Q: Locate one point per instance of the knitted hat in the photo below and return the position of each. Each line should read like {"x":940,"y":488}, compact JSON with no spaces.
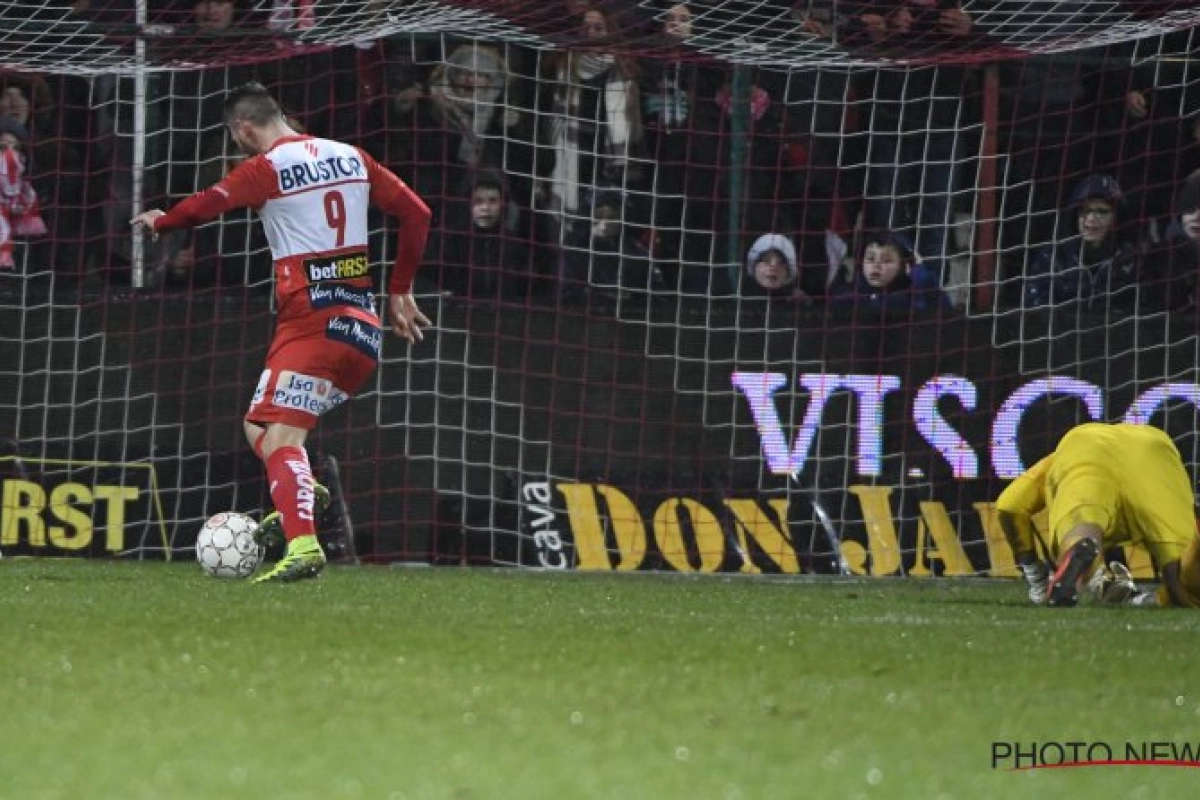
{"x":765,"y":244}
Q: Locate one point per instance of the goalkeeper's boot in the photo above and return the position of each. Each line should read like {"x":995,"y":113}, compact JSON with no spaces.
{"x":1075,"y":565}
{"x":304,"y":559}
{"x":269,"y":532}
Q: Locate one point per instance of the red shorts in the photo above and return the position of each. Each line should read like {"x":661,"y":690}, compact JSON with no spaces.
{"x":306,"y":376}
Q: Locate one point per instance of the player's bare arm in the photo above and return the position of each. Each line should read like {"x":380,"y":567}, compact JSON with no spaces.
{"x":406,"y":318}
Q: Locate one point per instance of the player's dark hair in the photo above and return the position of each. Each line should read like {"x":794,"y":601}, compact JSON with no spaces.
{"x":253,"y":103}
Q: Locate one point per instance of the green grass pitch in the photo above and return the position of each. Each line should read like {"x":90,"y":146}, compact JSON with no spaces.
{"x":127,"y":680}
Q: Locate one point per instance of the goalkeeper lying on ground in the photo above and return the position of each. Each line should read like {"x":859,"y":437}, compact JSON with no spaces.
{"x":1104,"y":486}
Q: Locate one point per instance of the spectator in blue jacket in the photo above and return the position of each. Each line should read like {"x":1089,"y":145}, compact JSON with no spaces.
{"x":890,"y":281}
{"x":1095,"y":265}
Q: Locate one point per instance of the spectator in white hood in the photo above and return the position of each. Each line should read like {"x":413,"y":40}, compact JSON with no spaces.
{"x":772,"y":269}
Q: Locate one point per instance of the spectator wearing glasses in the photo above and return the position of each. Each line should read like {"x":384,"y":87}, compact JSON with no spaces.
{"x":1096,"y":267}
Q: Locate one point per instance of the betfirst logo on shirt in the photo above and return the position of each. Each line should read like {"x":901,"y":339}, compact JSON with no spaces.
{"x":337,"y":268}
{"x":305,"y":393}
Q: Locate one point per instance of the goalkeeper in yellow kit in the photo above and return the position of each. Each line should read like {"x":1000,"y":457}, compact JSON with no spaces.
{"x":1103,"y":486}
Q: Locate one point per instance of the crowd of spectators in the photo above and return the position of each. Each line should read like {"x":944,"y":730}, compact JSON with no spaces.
{"x":598,"y":166}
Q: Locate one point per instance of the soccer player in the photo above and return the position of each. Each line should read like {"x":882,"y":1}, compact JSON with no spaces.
{"x":312,"y":195}
{"x":1103,"y":486}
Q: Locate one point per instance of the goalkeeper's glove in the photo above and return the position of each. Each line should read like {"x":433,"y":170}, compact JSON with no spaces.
{"x":1112,"y":585}
{"x":1037,"y":577}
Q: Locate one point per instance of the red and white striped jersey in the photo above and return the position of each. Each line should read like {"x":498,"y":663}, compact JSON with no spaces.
{"x":313,"y":195}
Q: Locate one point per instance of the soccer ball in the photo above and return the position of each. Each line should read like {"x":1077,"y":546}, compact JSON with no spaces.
{"x":226,"y":548}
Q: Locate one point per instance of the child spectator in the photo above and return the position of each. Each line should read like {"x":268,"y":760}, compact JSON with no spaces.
{"x":890,"y":281}
{"x":1096,"y":266}
{"x":19,"y":212}
{"x":772,"y":270}
{"x":481,"y":254}
{"x":47,"y":109}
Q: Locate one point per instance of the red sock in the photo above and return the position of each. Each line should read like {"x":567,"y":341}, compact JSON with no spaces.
{"x":291,"y":483}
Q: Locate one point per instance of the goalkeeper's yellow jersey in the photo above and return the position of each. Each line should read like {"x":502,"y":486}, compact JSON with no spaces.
{"x":1129,"y":480}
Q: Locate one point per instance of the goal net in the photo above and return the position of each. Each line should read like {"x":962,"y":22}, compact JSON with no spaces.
{"x":722,"y":285}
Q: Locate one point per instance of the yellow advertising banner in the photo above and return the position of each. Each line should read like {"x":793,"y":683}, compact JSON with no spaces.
{"x":58,"y":507}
